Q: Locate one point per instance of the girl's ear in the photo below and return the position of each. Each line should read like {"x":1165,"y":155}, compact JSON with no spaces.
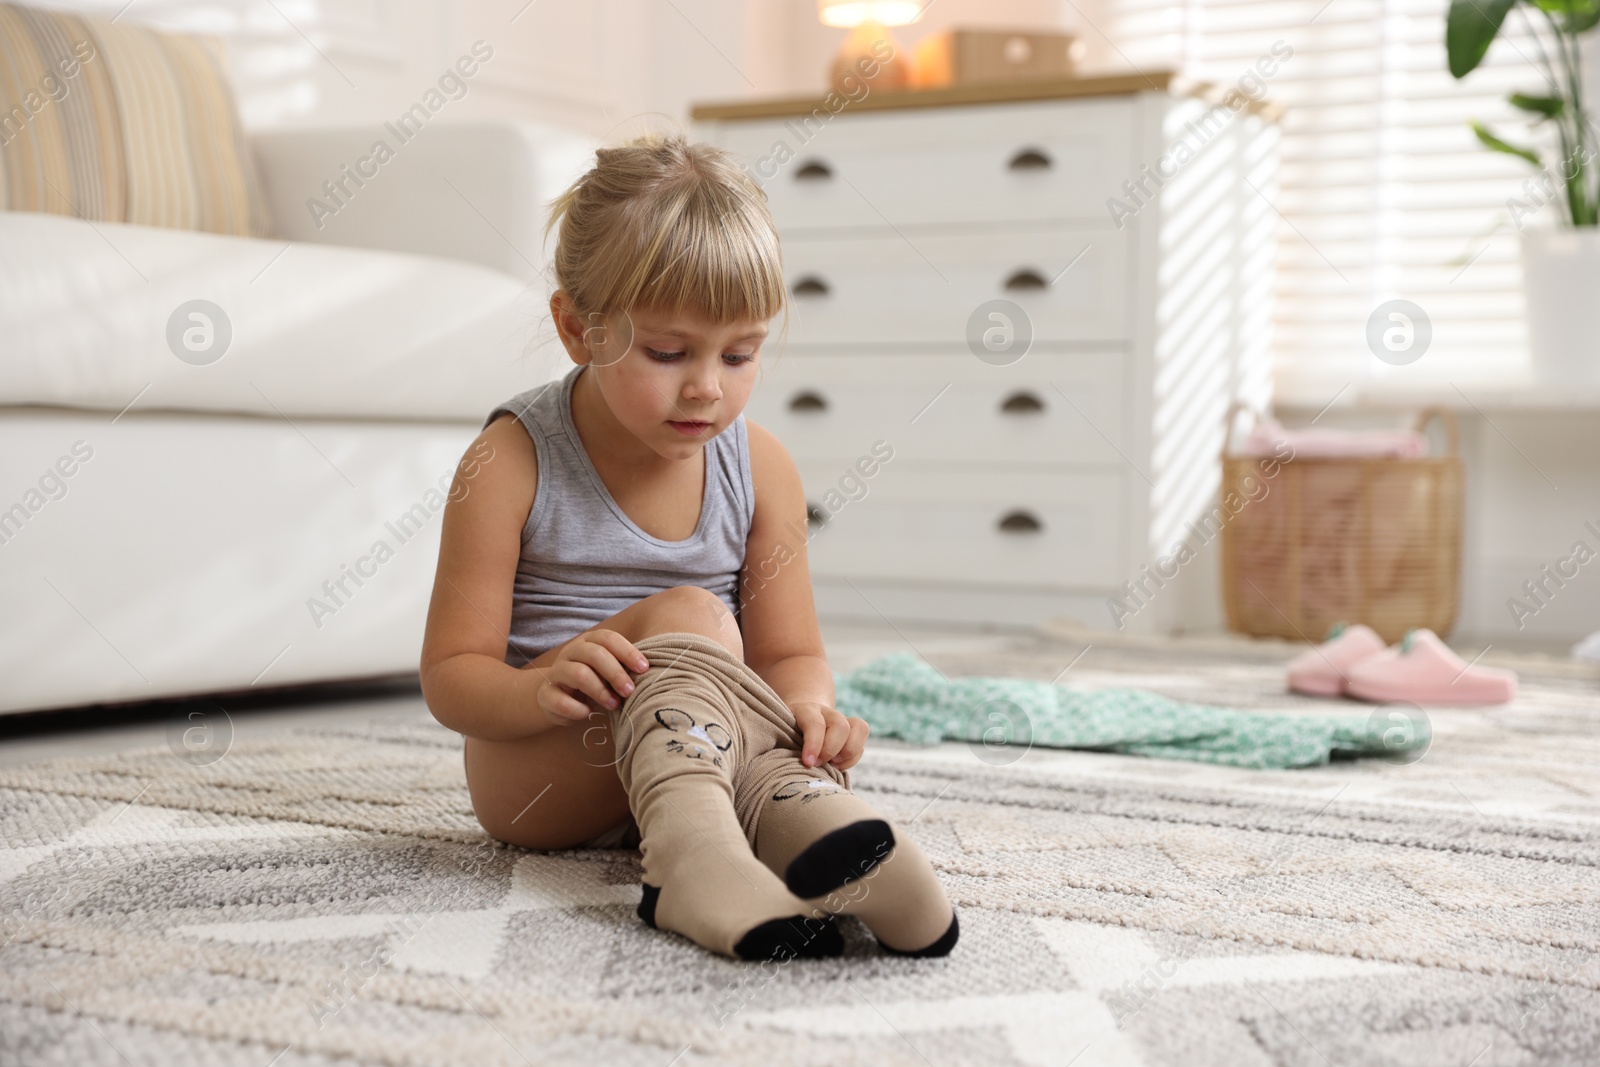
{"x":569,"y":325}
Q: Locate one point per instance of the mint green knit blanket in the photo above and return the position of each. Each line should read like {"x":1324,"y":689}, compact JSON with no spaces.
{"x":901,"y":696}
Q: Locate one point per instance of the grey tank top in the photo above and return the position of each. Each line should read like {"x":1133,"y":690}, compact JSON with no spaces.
{"x":583,"y":560}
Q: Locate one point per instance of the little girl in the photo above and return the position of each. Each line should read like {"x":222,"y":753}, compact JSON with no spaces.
{"x":587,"y":632}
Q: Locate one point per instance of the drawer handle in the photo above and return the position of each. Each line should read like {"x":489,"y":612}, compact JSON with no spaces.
{"x":815,"y":515}
{"x":1019,"y":522}
{"x":1022,"y":403}
{"x":808,"y":401}
{"x":811,"y":285}
{"x":1026,"y":278}
{"x":1030,"y":159}
{"x":813,"y":171}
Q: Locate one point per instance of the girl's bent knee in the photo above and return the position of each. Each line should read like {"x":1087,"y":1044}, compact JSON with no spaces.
{"x":695,"y":609}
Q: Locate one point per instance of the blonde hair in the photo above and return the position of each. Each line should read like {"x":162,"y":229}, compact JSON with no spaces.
{"x":664,"y":224}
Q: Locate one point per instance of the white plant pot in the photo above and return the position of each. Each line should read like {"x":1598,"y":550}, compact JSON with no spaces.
{"x":1561,"y":280}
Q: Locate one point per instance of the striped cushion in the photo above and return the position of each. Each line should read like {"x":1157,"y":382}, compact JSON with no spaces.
{"x":119,"y":123}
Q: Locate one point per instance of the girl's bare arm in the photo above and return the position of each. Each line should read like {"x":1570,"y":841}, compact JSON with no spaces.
{"x":465,"y":680}
{"x":778,"y":615}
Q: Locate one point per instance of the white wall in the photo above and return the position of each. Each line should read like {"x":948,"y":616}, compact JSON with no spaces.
{"x":594,"y":64}
{"x":589,"y":65}
{"x":1533,"y":485}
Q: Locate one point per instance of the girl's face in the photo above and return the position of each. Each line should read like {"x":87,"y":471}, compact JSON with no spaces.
{"x":674,"y":380}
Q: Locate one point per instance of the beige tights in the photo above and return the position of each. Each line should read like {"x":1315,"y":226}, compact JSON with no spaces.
{"x":747,"y":851}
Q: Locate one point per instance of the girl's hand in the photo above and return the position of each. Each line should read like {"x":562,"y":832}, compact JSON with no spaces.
{"x":593,"y":666}
{"x":829,"y":736}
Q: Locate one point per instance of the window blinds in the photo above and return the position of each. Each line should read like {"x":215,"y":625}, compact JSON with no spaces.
{"x":1384,"y":190}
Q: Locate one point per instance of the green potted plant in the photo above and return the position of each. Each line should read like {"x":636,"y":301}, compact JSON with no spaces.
{"x":1561,"y":249}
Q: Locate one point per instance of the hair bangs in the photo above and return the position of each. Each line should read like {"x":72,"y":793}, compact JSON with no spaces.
{"x":709,"y":254}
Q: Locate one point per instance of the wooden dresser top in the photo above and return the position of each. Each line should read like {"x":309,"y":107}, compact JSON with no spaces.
{"x":1162,"y":81}
{"x":883,"y":99}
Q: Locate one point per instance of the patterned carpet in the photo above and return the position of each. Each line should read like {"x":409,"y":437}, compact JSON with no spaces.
{"x":327,"y":898}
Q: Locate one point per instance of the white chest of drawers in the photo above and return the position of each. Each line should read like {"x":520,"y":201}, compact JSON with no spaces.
{"x":1020,"y":488}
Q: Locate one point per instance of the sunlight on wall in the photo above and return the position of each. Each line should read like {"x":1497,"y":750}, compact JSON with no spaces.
{"x":1215,"y":305}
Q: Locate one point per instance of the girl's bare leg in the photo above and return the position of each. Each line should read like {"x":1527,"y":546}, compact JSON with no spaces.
{"x":560,"y":788}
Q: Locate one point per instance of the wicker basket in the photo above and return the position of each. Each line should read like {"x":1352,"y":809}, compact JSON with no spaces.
{"x":1319,"y":541}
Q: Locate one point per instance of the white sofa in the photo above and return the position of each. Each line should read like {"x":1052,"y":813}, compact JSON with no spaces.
{"x":167,"y":523}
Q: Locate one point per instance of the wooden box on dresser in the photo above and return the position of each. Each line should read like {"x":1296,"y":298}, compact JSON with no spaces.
{"x":977,"y":462}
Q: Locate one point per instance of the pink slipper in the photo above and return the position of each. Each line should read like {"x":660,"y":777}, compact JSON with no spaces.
{"x":1321,"y":671}
{"x":1422,"y":669}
